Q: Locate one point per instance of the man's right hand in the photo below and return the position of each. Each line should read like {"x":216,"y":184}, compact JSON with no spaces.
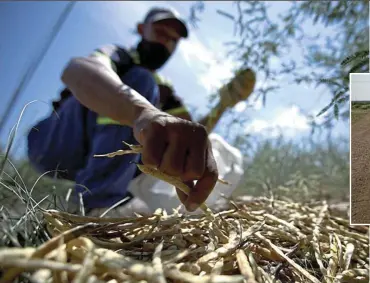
{"x":178,"y":148}
{"x":175,"y":146}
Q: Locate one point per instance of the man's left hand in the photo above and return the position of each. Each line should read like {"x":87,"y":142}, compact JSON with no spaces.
{"x":238,"y":89}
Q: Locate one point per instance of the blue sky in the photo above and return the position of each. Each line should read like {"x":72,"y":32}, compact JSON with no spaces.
{"x":198,"y":67}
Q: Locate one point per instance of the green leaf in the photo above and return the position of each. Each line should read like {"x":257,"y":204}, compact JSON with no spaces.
{"x":330,"y":81}
{"x":339,"y":95}
{"x":326,"y":108}
{"x":358,"y":55}
{"x":225,"y":14}
{"x":343,"y":99}
{"x":359,"y":67}
{"x":336,"y":111}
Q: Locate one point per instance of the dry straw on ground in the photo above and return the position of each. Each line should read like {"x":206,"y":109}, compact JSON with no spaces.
{"x":255,"y":241}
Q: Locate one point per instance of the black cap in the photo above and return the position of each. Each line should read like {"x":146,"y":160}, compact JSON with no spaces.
{"x":161,"y":14}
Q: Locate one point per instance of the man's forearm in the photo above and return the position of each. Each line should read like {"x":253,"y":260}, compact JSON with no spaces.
{"x":100,"y":89}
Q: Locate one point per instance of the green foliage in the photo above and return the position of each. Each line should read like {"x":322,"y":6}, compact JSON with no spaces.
{"x":331,"y":59}
{"x":260,"y":40}
{"x":357,"y":63}
{"x":346,"y":50}
{"x":302,"y":171}
{"x":360,"y":105}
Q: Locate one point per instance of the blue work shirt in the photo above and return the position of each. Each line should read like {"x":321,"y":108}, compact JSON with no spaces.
{"x":57,"y":142}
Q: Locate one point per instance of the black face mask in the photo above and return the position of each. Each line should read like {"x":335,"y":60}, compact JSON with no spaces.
{"x":153,"y":55}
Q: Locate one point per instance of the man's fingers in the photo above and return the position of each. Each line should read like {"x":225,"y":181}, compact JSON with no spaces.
{"x":201,"y":191}
{"x":154,"y":146}
{"x":205,"y":184}
{"x":178,"y":148}
{"x":173,"y":160}
{"x":195,"y":162}
{"x":182,"y":196}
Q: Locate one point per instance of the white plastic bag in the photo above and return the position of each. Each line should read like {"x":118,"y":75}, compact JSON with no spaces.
{"x":159,"y":194}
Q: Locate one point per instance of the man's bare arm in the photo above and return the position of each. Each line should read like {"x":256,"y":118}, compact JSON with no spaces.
{"x":98,"y":87}
{"x":94,"y":83}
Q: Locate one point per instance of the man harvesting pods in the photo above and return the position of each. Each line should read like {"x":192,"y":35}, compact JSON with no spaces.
{"x":115,"y":95}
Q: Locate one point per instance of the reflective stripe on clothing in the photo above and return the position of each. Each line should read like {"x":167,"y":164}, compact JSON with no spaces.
{"x":161,"y":80}
{"x":106,"y":121}
{"x":135,"y":56}
{"x":177,"y":111}
{"x":106,"y":58}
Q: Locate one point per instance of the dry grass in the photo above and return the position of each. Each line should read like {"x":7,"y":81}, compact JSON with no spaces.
{"x":259,"y":240}
{"x":359,"y":110}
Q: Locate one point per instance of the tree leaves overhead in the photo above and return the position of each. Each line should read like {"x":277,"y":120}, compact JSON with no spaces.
{"x":227,"y":15}
{"x":346,"y":50}
{"x":261,"y":37}
{"x":196,"y":8}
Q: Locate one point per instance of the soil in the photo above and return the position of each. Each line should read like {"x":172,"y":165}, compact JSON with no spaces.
{"x":360,"y":170}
